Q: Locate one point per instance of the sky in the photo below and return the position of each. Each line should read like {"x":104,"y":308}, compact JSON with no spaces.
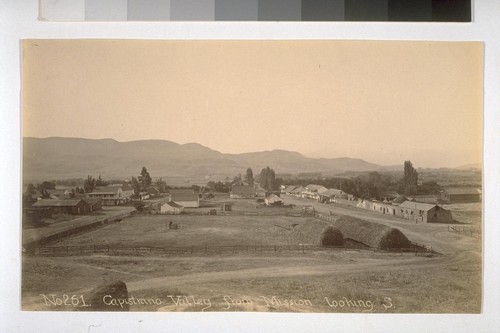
{"x":382,"y":101}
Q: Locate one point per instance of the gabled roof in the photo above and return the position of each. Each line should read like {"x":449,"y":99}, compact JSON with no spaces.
{"x":184,"y":197}
{"x":273,"y":198}
{"x":298,"y":190}
{"x":316,"y":188}
{"x":173,"y":204}
{"x":290,"y":188}
{"x":107,"y":189}
{"x":181,"y":191}
{"x":400,"y":199}
{"x":152,"y":190}
{"x":57,"y":203}
{"x":127,"y":187}
{"x":463,"y":190}
{"x":331,"y":192}
{"x":417,"y":205}
{"x":243,"y":190}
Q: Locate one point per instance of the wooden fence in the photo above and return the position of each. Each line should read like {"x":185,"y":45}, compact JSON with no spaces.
{"x":465,"y":230}
{"x":204,"y":249}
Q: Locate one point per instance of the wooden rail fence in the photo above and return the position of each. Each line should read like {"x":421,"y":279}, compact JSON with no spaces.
{"x":204,"y":249}
{"x":470,"y":231}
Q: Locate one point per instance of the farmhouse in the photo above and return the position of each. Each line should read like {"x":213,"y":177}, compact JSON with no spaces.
{"x":273,"y":200}
{"x":313,"y":191}
{"x":423,"y":212}
{"x":383,"y":208}
{"x":329,"y":195}
{"x":289,"y":189}
{"x":171,"y":208}
{"x":461,"y":195}
{"x":297,"y":192}
{"x":185,"y":197}
{"x":242,"y":192}
{"x":57,"y":206}
{"x":111,"y":195}
{"x":94,"y":203}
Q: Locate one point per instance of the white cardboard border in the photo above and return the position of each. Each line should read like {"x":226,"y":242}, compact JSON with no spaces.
{"x":18,"y":20}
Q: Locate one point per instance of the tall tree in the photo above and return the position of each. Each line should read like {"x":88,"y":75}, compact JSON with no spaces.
{"x":137,"y":187}
{"x":410,"y":179}
{"x":145,"y":178}
{"x":89,"y":184}
{"x":161,"y":185}
{"x":100,"y":182}
{"x":249,"y":177}
{"x":267,"y":179}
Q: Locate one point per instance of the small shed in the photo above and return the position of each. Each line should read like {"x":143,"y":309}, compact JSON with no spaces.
{"x":171,"y":208}
{"x":58,"y":206}
{"x":273,"y":200}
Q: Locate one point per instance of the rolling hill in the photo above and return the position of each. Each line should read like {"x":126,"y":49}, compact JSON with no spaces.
{"x":59,"y":158}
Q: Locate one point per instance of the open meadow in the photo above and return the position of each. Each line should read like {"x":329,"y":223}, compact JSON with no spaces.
{"x":238,"y":274}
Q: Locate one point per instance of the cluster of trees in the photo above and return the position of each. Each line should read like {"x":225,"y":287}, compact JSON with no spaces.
{"x":267,"y":179}
{"x":142,"y":182}
{"x":91,"y":183}
{"x":221,"y":187}
{"x":375,"y":184}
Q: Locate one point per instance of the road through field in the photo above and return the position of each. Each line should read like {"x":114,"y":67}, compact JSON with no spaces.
{"x":433,"y":234}
{"x":360,"y":266}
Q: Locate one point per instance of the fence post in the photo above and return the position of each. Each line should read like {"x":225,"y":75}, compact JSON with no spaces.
{"x":303,"y":248}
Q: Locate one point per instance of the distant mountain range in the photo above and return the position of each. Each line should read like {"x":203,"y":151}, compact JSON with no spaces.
{"x":60,"y":158}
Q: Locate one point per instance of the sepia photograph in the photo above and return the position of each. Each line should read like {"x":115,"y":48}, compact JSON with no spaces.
{"x":252,"y":176}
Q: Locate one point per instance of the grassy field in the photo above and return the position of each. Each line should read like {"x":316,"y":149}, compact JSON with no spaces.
{"x":287,"y":281}
{"x":195,"y":230}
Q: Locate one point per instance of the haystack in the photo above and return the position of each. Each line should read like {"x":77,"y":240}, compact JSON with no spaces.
{"x":309,"y":232}
{"x":332,"y":236}
{"x":371,"y":234}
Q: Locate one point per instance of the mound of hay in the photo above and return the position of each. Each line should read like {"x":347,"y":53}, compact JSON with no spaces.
{"x":371,"y":234}
{"x":308,"y":232}
{"x":332,"y":236}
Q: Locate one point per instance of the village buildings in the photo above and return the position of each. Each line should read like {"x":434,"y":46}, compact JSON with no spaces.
{"x":461,"y":195}
{"x":61,"y":206}
{"x":113,"y":195}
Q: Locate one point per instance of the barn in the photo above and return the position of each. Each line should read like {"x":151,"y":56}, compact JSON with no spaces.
{"x":185,"y":197}
{"x":273,"y":200}
{"x":461,"y":195}
{"x":171,"y":208}
{"x":423,"y":212}
{"x":58,"y":206}
{"x":94,"y":203}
